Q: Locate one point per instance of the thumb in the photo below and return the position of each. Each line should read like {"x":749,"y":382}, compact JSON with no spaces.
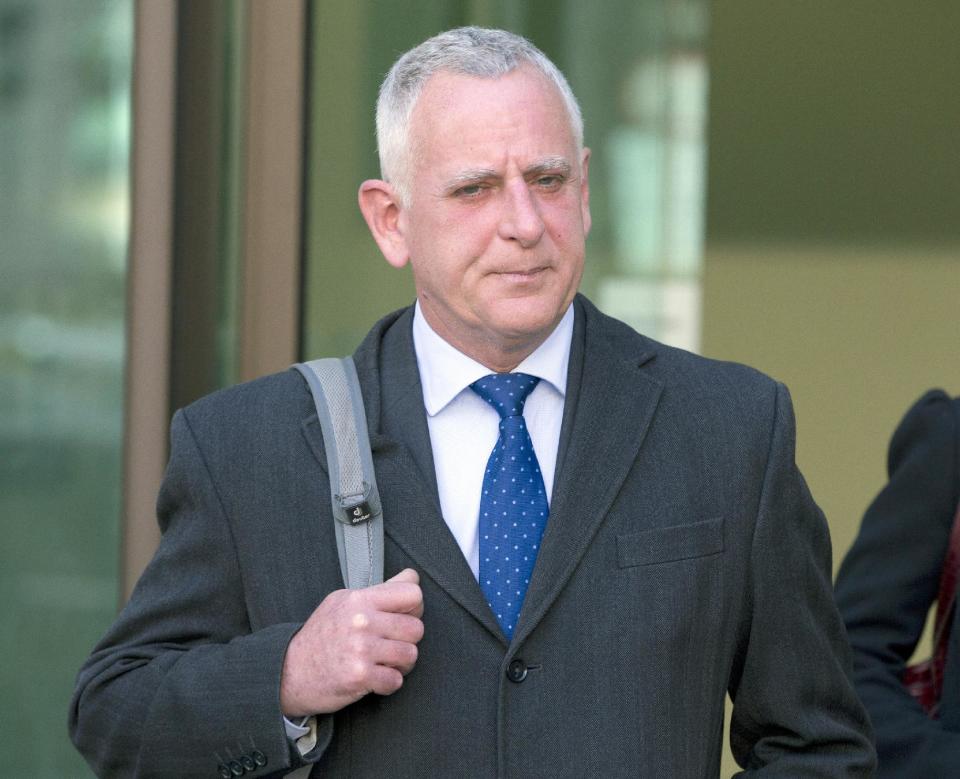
{"x":406,"y":575}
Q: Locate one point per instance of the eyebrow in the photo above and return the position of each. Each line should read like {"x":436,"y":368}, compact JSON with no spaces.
{"x":549,"y":165}
{"x":468,"y":177}
{"x":477,"y":175}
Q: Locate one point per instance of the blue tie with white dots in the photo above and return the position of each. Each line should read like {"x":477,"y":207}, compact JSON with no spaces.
{"x":513,"y":506}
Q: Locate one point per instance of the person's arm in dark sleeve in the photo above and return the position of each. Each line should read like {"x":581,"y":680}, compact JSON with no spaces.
{"x":795,"y":711}
{"x":180,"y":686}
{"x":890,"y":578}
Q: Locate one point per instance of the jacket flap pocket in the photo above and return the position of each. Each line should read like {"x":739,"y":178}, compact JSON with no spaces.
{"x":668,"y":544}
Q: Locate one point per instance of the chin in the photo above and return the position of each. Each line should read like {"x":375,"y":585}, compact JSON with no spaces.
{"x":527,"y":321}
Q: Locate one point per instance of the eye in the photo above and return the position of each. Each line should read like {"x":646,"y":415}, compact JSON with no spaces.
{"x":470,"y":191}
{"x":551,"y":181}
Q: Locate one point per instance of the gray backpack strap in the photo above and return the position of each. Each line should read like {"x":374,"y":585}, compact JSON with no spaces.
{"x":353,"y":487}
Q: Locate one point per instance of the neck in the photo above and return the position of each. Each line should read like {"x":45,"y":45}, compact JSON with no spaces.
{"x":500,"y":355}
{"x":498,"y":358}
{"x":495,"y":352}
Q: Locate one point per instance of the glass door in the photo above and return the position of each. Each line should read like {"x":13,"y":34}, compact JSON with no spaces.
{"x":64,"y":128}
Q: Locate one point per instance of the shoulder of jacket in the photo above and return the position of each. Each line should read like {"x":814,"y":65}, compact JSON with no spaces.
{"x":264,"y":397}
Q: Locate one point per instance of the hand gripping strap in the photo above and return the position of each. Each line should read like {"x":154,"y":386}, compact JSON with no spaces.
{"x":354,"y":498}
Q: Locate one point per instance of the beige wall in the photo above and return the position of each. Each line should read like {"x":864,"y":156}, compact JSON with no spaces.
{"x":856,"y":334}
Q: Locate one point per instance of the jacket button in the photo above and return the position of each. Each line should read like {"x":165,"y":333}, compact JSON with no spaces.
{"x":236,"y":769}
{"x":259,"y":758}
{"x":517,"y":671}
{"x":224,"y":771}
{"x":247,"y":762}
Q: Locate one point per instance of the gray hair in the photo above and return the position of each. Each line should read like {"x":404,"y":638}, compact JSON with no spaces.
{"x":468,"y":51}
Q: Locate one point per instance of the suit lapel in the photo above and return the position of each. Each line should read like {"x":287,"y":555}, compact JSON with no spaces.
{"x":609,"y":406}
{"x":403,"y":461}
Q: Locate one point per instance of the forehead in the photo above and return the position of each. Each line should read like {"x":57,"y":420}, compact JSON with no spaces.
{"x":468,"y":116}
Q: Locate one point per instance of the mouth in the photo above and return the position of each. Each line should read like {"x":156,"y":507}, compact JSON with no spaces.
{"x":521,"y":274}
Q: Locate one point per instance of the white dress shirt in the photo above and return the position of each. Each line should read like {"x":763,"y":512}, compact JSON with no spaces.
{"x":464,"y":428}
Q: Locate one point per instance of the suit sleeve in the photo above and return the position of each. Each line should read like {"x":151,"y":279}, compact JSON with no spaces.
{"x":180,"y":686}
{"x":890,"y":578}
{"x":795,"y":711}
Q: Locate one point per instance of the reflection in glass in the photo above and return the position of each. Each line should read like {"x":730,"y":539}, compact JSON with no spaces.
{"x":64,"y":106}
{"x":655,"y":177}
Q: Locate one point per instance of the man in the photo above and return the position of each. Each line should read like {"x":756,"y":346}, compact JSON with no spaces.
{"x":665,"y":549}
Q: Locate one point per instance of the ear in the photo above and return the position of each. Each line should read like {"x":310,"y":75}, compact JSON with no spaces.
{"x":585,"y":191}
{"x":381,"y":208}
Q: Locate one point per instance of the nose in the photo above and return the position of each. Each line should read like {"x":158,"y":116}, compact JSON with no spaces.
{"x":521,"y":220}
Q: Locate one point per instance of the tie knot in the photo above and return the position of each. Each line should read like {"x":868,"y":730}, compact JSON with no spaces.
{"x":506,"y":392}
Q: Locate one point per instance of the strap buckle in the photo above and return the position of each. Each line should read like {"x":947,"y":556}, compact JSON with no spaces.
{"x":356,"y":507}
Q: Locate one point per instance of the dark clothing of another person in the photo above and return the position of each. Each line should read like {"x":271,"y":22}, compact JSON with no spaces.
{"x":889,"y":581}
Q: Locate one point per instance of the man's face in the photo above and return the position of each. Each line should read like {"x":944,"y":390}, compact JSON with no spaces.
{"x":498,"y":212}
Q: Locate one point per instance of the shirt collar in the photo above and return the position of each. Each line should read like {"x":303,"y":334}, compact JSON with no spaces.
{"x":445,"y":371}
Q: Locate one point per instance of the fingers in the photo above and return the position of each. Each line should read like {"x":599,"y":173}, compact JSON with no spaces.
{"x":406,"y":575}
{"x":400,"y":594}
{"x":400,"y":655}
{"x":396,"y":627}
{"x":387,"y":664}
{"x":384,"y":680}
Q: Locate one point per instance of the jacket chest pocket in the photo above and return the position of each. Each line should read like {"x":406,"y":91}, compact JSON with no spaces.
{"x":670,"y":544}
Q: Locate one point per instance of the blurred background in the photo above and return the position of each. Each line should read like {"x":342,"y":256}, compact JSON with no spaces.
{"x":772,"y":182}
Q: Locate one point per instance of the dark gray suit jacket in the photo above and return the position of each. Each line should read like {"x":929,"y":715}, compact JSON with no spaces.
{"x":684,"y":558}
